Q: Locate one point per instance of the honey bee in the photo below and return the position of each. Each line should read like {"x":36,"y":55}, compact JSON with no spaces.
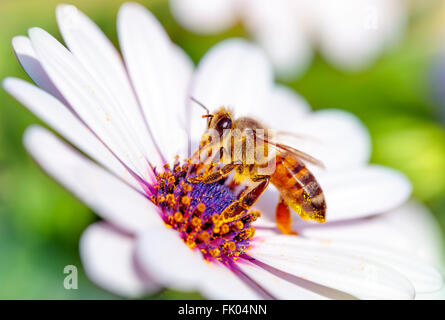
{"x":298,"y":188}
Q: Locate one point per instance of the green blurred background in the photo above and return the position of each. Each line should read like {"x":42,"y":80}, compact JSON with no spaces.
{"x":397,"y":98}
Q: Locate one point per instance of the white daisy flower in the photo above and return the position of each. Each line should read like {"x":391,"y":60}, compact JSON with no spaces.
{"x":130,"y":116}
{"x":350,"y":34}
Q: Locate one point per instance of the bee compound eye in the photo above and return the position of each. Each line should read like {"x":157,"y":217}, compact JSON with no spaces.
{"x":223,"y":124}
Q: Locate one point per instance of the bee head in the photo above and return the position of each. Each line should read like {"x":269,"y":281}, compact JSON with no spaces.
{"x":220,"y":120}
{"x":216,"y":122}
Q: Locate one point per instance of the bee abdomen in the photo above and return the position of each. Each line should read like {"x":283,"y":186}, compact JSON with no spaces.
{"x":299,"y":188}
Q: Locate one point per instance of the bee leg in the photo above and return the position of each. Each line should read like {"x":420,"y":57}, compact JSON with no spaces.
{"x":283,"y":217}
{"x":216,"y":175}
{"x":247,"y":199}
{"x":199,"y":162}
{"x":203,"y":153}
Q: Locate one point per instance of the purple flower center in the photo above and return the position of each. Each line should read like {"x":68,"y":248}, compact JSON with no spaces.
{"x":194,"y":210}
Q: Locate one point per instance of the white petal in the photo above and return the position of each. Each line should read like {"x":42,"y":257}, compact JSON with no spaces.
{"x":163,"y":253}
{"x":319,"y":263}
{"x":354,"y":32}
{"x":88,"y":99}
{"x":222,"y":284}
{"x":283,"y":110}
{"x":30,"y":63}
{"x":335,"y":137}
{"x":153,"y":63}
{"x":160,"y":252}
{"x":350,"y":194}
{"x":282,"y":34}
{"x":234,"y":74}
{"x":355,"y":193}
{"x":58,"y":116}
{"x":108,"y":258}
{"x":202,"y":16}
{"x":283,"y":286}
{"x":182,"y":64}
{"x":98,"y":55}
{"x":423,"y":276}
{"x":421,"y":231}
{"x":438,"y":295}
{"x":393,"y":239}
{"x":397,"y":246}
{"x":410,"y":228}
{"x":107,"y":195}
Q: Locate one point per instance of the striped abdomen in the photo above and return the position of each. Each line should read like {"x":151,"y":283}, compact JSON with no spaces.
{"x":299,"y":188}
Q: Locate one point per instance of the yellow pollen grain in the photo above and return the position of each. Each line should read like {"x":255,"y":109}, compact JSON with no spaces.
{"x":196,"y":222}
{"x":191,"y":244}
{"x":225,"y":228}
{"x":171,"y":180}
{"x":239,"y":225}
{"x":231,"y":246}
{"x":170,"y":199}
{"x":201,"y":207}
{"x":204,"y":236}
{"x":167,"y":226}
{"x":248,"y":233}
{"x":178,"y":216}
{"x":185,"y":200}
{"x":190,"y":241}
{"x":215,"y":252}
{"x":257,"y":214}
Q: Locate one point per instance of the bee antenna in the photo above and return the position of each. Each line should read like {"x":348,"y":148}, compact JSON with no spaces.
{"x":201,"y":105}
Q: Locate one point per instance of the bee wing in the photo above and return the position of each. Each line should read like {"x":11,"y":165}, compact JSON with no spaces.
{"x":302,"y":155}
{"x":298,"y":153}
